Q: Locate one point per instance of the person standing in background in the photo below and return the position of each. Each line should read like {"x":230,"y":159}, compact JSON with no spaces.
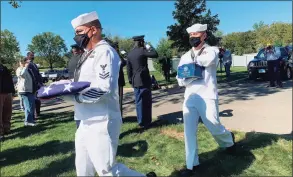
{"x":226,"y":57}
{"x":18,"y":70}
{"x":37,"y":79}
{"x":121,"y":80}
{"x":273,"y":61}
{"x":166,"y":66}
{"x":140,"y":79}
{"x":6,"y":96}
{"x":77,"y":53}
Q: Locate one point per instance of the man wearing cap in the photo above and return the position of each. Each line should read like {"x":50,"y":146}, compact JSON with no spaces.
{"x":97,"y":107}
{"x":140,"y":79}
{"x":201,"y":97}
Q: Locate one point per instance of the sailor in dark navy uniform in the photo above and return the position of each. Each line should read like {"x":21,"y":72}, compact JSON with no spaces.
{"x":140,"y":79}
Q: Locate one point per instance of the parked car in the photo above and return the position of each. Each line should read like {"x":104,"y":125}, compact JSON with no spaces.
{"x":64,"y":74}
{"x":44,"y":77}
{"x":56,"y":75}
{"x":257,"y":68}
{"x":52,"y":75}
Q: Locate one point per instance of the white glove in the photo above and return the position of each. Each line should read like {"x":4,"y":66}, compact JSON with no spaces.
{"x":147,"y":46}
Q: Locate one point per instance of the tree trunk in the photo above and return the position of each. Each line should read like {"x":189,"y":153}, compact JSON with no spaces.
{"x":51,"y":64}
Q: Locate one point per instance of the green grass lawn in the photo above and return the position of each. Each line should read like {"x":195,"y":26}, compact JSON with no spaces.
{"x":48,"y":150}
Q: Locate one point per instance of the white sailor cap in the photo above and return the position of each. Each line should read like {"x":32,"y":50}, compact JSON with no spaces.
{"x":84,"y":18}
{"x":197,"y":28}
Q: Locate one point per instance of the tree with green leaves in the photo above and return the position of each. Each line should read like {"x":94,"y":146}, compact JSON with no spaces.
{"x":9,"y":49}
{"x":240,"y":43}
{"x":49,"y":46}
{"x":125,"y":44}
{"x":186,"y":14}
{"x":258,"y":25}
{"x":164,"y":48}
{"x":14,"y":3}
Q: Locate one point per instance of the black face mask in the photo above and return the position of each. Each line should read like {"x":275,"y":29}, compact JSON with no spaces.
{"x":194,"y":41}
{"x":82,"y":40}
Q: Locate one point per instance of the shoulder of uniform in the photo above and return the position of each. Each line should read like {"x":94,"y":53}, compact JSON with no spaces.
{"x":210,"y":49}
{"x":186,"y":54}
{"x":102,"y":49}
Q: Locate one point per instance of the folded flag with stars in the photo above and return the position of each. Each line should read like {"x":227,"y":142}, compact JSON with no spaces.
{"x":55,"y":90}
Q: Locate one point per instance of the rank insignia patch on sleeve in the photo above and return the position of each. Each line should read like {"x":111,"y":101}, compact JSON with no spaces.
{"x":104,"y":74}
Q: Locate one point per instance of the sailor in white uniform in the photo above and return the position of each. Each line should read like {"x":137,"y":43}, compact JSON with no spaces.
{"x":201,"y":98}
{"x":97,"y":107}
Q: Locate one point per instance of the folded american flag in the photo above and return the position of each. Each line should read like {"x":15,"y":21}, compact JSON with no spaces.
{"x":55,"y":90}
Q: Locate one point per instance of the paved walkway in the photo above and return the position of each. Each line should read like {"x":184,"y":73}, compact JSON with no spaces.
{"x":244,"y":106}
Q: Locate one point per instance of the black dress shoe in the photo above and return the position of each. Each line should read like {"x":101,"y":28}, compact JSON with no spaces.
{"x":186,"y":173}
{"x":151,"y":174}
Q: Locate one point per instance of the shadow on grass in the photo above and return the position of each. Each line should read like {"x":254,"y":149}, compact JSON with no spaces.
{"x":67,"y":164}
{"x":220,"y":163}
{"x":154,"y":124}
{"x":55,"y":168}
{"x":135,"y":149}
{"x":24,"y":153}
{"x":44,"y":123}
{"x":129,"y":119}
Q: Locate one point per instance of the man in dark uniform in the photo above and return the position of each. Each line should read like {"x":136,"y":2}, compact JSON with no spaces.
{"x":76,"y":55}
{"x":140,"y":79}
{"x":121,"y":80}
{"x":166,"y":66}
